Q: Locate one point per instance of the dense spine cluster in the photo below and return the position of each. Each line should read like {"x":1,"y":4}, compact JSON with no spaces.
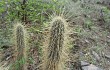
{"x":53,"y":60}
{"x":20,"y":43}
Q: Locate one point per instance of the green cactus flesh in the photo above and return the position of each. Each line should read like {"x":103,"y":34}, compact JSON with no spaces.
{"x":55,"y":45}
{"x":20,"y":42}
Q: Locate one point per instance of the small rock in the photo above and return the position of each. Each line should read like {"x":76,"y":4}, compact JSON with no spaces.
{"x":83,"y":63}
{"x":88,"y":66}
{"x":93,"y":67}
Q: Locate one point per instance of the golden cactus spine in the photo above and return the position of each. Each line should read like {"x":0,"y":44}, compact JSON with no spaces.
{"x":53,"y":59}
{"x":20,"y":46}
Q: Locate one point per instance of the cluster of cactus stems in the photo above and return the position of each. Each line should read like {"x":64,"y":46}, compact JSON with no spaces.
{"x":53,"y":58}
{"x":20,"y":46}
{"x":54,"y":51}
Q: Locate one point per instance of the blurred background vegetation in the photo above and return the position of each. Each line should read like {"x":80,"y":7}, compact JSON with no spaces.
{"x":90,"y":23}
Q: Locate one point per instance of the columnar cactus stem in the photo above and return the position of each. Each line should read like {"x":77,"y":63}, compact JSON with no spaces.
{"x":21,"y":45}
{"x":53,"y":59}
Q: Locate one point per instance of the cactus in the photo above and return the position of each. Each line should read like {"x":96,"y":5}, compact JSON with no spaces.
{"x":53,"y":58}
{"x":20,"y":43}
{"x":20,"y":46}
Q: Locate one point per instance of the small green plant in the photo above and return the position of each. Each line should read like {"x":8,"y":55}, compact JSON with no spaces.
{"x":88,"y":23}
